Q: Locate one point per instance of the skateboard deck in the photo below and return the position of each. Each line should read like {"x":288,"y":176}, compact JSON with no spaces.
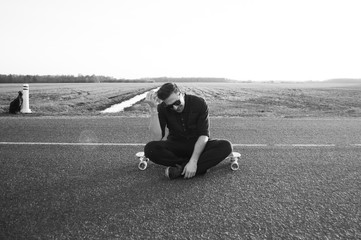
{"x":143,"y":160}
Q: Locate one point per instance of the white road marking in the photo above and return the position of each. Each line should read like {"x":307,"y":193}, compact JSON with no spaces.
{"x":143,"y":144}
{"x":72,"y":144}
{"x":305,"y":145}
{"x":107,"y":144}
{"x":249,"y":145}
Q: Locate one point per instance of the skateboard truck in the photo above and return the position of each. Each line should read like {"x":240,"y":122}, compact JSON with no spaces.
{"x":234,"y":157}
{"x":143,"y":160}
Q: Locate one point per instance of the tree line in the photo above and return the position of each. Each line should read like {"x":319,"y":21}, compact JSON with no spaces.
{"x":189,"y":79}
{"x":12,"y":78}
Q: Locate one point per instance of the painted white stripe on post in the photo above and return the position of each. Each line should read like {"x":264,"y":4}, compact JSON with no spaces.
{"x":25,"y":107}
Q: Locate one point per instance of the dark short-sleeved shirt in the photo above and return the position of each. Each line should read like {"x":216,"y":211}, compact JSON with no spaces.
{"x":187,"y":125}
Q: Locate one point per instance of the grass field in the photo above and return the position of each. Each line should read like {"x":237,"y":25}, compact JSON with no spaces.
{"x":224,"y":99}
{"x":71,"y":99}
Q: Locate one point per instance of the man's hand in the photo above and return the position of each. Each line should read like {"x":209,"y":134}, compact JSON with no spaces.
{"x":190,"y":169}
{"x":152,"y":99}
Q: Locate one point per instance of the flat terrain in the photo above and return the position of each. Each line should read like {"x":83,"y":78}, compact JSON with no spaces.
{"x":71,"y":99}
{"x":271,"y":100}
{"x":68,"y":172}
{"x":76,"y":178}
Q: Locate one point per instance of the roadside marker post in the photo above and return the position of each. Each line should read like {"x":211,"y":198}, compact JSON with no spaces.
{"x":25,"y":107}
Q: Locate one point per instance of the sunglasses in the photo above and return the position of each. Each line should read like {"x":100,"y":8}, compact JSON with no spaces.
{"x":176,"y":103}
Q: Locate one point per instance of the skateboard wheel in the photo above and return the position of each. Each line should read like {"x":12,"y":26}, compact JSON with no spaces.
{"x":234,"y":157}
{"x":234,"y":166}
{"x":142,"y":165}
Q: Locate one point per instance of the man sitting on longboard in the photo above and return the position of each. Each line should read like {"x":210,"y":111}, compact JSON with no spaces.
{"x":187,"y":149}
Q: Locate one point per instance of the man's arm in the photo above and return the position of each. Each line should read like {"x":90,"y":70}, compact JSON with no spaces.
{"x":155,"y":127}
{"x":203,"y":130}
{"x":190,"y":169}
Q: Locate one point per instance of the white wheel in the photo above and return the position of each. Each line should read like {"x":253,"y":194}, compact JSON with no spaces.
{"x":142,"y":165}
{"x":234,"y":166}
{"x":234,"y":157}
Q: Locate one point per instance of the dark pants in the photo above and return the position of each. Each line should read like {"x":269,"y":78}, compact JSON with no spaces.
{"x":170,"y":153}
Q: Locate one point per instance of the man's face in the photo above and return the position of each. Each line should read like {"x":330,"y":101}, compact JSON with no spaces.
{"x":175,"y":101}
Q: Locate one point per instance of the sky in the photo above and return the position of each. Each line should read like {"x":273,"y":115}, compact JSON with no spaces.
{"x":290,"y":40}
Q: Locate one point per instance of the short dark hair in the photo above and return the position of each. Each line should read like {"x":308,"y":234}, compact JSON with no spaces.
{"x":166,"y":90}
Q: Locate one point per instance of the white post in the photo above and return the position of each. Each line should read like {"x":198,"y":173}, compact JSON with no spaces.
{"x":25,"y":108}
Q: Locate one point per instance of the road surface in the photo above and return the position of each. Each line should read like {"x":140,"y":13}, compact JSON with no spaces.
{"x":77,"y":178}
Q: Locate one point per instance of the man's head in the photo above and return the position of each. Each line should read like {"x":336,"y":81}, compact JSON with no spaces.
{"x":170,"y":94}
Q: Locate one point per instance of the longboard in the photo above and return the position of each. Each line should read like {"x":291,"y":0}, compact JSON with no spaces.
{"x":234,"y":157}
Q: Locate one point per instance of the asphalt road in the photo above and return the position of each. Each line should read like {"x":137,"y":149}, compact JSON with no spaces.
{"x":270,"y":132}
{"x":76,"y":178}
